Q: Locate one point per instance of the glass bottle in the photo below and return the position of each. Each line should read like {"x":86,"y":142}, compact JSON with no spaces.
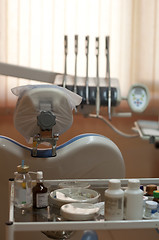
{"x":22,"y":187}
{"x":149,"y":191}
{"x":40,"y":193}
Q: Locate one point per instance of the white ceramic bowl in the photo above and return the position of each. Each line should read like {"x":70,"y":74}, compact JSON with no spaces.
{"x":73,"y":184}
{"x":79,"y":211}
{"x":63,"y":196}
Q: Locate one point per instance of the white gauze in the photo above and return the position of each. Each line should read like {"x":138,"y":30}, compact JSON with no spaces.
{"x":61,"y":100}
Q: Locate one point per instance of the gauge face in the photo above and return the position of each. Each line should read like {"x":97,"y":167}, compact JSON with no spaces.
{"x":138,"y":98}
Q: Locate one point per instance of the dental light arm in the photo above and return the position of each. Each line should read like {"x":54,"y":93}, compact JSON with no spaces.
{"x":27,"y":73}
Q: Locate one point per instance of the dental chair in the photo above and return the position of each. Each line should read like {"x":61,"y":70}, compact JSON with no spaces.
{"x":42,"y":114}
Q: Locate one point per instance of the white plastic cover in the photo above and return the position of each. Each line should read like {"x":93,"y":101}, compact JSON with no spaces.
{"x":32,"y":99}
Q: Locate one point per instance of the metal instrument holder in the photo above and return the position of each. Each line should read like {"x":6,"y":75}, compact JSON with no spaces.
{"x":46,"y":121}
{"x":97,"y":95}
{"x":40,"y":139}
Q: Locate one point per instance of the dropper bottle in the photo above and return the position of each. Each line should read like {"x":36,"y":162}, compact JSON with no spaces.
{"x":22,"y":187}
{"x":40,"y":192}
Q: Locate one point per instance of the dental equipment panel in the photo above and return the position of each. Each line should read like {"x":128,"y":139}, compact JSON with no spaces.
{"x":96,"y":92}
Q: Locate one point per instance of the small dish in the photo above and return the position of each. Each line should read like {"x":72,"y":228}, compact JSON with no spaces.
{"x":79,"y":211}
{"x":73,"y":184}
{"x":63,"y":196}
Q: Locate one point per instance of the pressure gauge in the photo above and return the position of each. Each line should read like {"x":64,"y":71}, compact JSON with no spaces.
{"x":138,"y":97}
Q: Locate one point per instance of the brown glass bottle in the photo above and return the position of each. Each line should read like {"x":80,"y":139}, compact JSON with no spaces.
{"x":149,"y":191}
{"x":40,"y":193}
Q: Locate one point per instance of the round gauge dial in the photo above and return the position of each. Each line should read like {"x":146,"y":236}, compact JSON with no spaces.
{"x":138,"y":98}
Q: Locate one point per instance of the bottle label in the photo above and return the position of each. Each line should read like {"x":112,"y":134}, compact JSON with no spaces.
{"x":23,"y":195}
{"x":41,"y":200}
{"x":28,"y":196}
{"x":113,"y":206}
{"x":20,"y":195}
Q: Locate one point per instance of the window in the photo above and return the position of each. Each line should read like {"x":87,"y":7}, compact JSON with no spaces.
{"x":32,"y":34}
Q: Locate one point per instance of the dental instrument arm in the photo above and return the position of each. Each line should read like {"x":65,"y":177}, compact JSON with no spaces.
{"x":76,"y":53}
{"x":65,"y":63}
{"x":87,"y":58}
{"x":97,"y":78}
{"x":108,"y":77}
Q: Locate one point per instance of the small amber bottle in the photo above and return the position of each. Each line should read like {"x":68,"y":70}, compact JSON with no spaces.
{"x":149,"y":191}
{"x":40,"y":193}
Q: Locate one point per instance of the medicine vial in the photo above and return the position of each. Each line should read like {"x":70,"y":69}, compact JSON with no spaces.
{"x":40,"y":193}
{"x":22,"y":187}
{"x":150,"y":208}
{"x":114,"y":201}
{"x":133,"y":201}
{"x":149,"y":191}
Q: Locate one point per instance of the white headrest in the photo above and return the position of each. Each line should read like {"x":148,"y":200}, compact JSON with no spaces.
{"x":34,"y":99}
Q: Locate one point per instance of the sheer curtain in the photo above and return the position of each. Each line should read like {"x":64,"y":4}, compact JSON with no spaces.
{"x":32,"y":34}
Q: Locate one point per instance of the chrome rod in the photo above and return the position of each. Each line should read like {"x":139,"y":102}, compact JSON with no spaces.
{"x":65,"y":63}
{"x":108,"y":76}
{"x":76,"y":53}
{"x":87,"y":65}
{"x":97,"y":77}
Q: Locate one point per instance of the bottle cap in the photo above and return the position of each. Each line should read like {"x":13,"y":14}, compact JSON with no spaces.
{"x":156,"y":194}
{"x":114,"y":184}
{"x":22,"y":169}
{"x":150,"y":188}
{"x":39,"y":175}
{"x":142,"y":187}
{"x":133,"y":183}
{"x":151,"y":204}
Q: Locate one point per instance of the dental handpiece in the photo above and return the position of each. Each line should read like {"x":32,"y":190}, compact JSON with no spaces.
{"x":87,"y":58}
{"x":65,"y":63}
{"x":97,"y":77}
{"x":76,"y":53}
{"x":108,"y":76}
